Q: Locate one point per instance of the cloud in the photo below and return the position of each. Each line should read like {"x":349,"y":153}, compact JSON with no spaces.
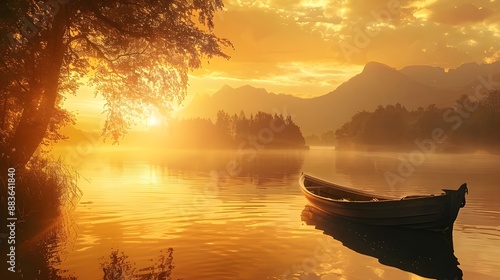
{"x":399,"y":33}
{"x":453,"y":14}
{"x":316,"y":15}
{"x":263,"y":38}
{"x":298,"y":44}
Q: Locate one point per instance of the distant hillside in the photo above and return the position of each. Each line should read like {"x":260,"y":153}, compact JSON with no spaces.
{"x":246,"y":98}
{"x":377,"y":84}
{"x":465,"y":75}
{"x":76,"y":136}
{"x":393,"y":127}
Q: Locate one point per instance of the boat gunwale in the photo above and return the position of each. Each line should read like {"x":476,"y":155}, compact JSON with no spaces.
{"x":386,"y":199}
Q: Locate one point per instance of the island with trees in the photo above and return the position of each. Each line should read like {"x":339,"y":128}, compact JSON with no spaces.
{"x":262,"y":131}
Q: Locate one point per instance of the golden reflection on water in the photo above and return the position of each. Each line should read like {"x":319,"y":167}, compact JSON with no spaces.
{"x":248,"y":226}
{"x":425,"y":253}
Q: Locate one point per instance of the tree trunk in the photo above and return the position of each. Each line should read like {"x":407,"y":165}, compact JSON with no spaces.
{"x":39,"y":108}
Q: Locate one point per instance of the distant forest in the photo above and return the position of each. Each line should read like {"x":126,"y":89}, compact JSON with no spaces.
{"x":259,"y":131}
{"x":324,"y":139}
{"x":467,"y":126}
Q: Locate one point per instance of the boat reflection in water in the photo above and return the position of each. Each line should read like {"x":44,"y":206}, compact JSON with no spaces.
{"x":425,"y":253}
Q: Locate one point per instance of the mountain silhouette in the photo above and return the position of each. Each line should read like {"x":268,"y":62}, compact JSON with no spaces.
{"x":378,"y":84}
{"x":462,"y":76}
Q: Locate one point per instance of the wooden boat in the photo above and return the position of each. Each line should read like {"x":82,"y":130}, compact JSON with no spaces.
{"x":429,"y":212}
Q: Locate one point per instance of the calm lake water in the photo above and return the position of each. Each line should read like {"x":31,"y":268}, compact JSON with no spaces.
{"x":247,"y":224}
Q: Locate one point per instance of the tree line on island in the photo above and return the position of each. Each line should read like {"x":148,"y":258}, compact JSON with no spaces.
{"x":469,"y":125}
{"x":260,"y":131}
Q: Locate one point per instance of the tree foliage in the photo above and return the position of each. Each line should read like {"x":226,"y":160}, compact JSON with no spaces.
{"x":135,"y":53}
{"x":469,"y":124}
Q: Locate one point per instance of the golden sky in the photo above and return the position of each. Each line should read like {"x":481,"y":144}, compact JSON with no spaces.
{"x":308,"y":47}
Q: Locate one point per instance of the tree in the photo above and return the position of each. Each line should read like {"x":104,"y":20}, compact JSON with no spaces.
{"x":223,"y":126}
{"x":242,"y":128}
{"x":328,"y":137}
{"x":136,"y":53}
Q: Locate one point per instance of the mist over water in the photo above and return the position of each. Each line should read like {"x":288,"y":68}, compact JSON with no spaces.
{"x":246,"y":224}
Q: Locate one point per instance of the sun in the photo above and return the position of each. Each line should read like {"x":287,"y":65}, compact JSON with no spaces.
{"x":153,"y":121}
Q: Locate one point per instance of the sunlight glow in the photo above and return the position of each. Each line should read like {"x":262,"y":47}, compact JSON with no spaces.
{"x":422,"y":14}
{"x":153,"y":121}
{"x":314,"y":3}
{"x":422,"y":4}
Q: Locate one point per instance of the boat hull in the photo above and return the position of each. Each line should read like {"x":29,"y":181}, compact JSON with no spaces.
{"x":431,"y":212}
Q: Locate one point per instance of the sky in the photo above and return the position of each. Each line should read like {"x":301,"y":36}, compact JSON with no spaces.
{"x":308,"y":47}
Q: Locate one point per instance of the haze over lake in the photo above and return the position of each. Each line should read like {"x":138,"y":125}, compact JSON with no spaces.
{"x":249,"y":226}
